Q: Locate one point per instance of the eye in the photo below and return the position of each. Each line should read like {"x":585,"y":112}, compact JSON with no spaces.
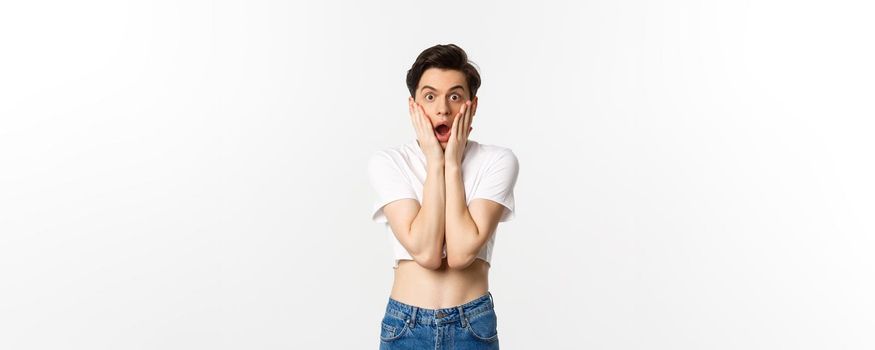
{"x":427,"y":97}
{"x":457,"y":97}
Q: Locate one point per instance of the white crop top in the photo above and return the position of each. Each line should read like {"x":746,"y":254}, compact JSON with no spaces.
{"x":488,"y":171}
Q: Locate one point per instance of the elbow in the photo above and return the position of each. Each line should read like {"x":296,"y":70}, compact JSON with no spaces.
{"x":428,"y":261}
{"x":459,"y":261}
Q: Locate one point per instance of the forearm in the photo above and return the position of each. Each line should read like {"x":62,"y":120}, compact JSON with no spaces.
{"x":461,"y":231}
{"x":428,"y":227}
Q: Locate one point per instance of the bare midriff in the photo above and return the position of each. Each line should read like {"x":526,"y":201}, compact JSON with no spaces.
{"x":440,"y":288}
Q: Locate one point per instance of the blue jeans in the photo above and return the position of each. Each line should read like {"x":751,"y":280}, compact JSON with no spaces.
{"x":469,"y":326}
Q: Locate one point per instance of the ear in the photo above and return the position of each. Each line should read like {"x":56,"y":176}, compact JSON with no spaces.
{"x":473,"y":107}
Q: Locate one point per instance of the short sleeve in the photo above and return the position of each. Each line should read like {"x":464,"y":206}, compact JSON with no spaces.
{"x":499,"y":181}
{"x":388,"y":182}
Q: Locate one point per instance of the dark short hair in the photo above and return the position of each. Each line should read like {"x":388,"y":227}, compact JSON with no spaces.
{"x":447,"y":56}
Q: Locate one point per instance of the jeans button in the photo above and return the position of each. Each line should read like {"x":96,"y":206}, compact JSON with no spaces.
{"x":441,"y":314}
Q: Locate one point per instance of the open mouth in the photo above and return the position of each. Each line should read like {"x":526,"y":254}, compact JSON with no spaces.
{"x":442,"y":130}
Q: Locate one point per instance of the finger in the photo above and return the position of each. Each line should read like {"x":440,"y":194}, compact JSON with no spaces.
{"x":454,"y":129}
{"x":463,"y":122}
{"x":425,"y":124}
{"x":467,"y":118}
{"x":471,"y":115}
{"x":418,"y":120}
{"x":412,"y":117}
{"x":427,"y":132}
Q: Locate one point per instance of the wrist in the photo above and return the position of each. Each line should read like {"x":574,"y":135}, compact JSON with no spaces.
{"x":450,"y":160}
{"x":435,"y":163}
{"x":452,"y":167}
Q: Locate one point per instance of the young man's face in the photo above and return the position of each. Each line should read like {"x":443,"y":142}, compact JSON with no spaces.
{"x":441,"y":93}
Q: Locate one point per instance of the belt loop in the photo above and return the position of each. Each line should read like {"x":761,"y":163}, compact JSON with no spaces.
{"x":490,"y":298}
{"x":413,"y":318}
{"x":462,"y":316}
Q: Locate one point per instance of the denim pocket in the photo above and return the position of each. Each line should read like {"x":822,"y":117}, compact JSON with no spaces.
{"x":392,"y":328}
{"x":484,"y":326}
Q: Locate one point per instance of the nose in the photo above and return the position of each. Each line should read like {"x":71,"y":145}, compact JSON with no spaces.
{"x":442,"y":108}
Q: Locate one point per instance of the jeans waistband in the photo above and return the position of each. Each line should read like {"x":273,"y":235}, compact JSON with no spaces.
{"x":460,"y":313}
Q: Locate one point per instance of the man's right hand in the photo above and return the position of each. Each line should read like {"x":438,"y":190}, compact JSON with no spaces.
{"x":428,"y":141}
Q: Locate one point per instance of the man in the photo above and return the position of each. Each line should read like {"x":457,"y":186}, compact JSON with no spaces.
{"x":442,"y":198}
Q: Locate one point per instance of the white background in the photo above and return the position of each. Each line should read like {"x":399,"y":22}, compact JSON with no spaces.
{"x":192,"y":175}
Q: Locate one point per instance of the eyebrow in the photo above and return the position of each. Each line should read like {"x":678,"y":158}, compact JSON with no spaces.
{"x":451,"y":89}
